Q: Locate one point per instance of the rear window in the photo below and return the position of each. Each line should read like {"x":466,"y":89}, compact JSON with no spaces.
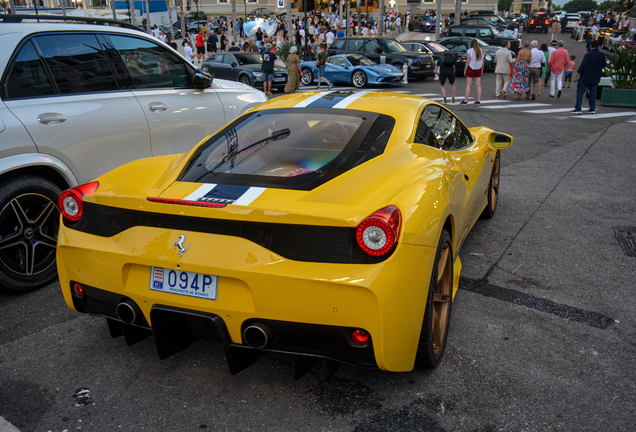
{"x":289,"y":148}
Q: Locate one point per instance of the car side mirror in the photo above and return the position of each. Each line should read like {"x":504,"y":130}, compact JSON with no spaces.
{"x":202,"y":79}
{"x":233,"y":64}
{"x":500,"y":141}
{"x":378,"y":50}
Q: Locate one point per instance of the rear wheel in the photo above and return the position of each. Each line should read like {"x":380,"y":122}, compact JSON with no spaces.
{"x":308,"y":76}
{"x":359,"y":79}
{"x":29,"y":221}
{"x":438,"y":307}
{"x":493,"y":189}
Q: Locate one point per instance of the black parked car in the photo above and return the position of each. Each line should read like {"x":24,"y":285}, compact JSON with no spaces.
{"x":494,"y":20}
{"x":244,"y":67}
{"x":537,"y":22}
{"x":460,"y":45}
{"x":385,"y":50}
{"x":487,"y":34}
{"x":436,"y":50}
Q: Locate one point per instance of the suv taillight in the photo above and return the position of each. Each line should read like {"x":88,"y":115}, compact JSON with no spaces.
{"x":70,"y":201}
{"x":377,"y":234}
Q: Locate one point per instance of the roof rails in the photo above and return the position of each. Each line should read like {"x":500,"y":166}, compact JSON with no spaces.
{"x":75,"y":19}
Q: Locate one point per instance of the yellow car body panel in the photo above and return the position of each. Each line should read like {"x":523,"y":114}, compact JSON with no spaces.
{"x":431,"y":187}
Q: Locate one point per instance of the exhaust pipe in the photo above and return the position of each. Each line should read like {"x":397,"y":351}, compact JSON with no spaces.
{"x":128,"y":311}
{"x":257,"y":335}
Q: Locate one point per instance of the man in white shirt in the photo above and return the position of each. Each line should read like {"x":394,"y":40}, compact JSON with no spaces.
{"x":551,"y":49}
{"x":329,"y":37}
{"x":536,"y":62}
{"x":503,"y":59}
{"x":365,"y":31}
{"x":594,"y":29}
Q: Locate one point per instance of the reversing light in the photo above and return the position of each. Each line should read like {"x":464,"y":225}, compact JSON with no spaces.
{"x":377,"y":234}
{"x":360,"y":337}
{"x":78,"y":290}
{"x":70,"y":201}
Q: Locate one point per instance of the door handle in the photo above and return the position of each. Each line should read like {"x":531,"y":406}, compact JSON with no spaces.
{"x":47,"y":118}
{"x":157,"y":107}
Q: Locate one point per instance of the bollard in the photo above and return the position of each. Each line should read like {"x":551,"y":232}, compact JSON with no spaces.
{"x":405,"y":70}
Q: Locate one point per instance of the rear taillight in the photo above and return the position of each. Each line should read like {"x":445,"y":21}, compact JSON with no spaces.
{"x":546,"y":21}
{"x":70,"y":201}
{"x":378,"y":234}
{"x":531,"y":21}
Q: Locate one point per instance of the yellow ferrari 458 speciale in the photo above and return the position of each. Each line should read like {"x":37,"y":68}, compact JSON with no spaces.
{"x":323,"y":225}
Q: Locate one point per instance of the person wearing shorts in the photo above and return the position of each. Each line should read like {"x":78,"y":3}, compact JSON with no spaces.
{"x":445,"y":68}
{"x":473,"y":70}
{"x":200,"y":46}
{"x":568,"y":71}
{"x":321,"y":63}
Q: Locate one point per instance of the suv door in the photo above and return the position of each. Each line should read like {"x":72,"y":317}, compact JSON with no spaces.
{"x":179,"y":115}
{"x":75,"y":109}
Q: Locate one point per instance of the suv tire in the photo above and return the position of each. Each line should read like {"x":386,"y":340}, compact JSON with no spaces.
{"x":29,"y":221}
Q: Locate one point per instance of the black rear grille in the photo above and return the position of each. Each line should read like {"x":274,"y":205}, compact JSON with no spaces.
{"x":310,"y":243}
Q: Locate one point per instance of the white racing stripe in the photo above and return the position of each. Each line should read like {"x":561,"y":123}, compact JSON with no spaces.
{"x":201,"y":191}
{"x":248,"y":197}
{"x":606,"y":115}
{"x":349,"y":99}
{"x":313,"y":98}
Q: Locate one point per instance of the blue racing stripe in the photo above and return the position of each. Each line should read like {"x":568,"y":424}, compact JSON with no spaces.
{"x":329,"y":100}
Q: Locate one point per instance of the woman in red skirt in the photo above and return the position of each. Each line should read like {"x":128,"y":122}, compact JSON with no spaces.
{"x":474,"y":69}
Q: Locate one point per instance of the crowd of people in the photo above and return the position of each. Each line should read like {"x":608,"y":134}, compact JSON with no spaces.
{"x":534,"y":68}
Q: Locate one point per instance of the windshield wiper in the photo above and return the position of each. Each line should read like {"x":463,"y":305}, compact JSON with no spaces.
{"x":231,"y":156}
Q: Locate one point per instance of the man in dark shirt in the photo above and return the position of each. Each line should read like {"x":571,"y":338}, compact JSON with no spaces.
{"x":268,"y":69}
{"x":564,"y":23}
{"x":259,"y":37}
{"x":234,"y":47}
{"x":212,"y":41}
{"x":588,"y":76}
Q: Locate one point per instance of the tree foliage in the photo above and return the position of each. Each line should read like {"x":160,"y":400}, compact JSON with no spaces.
{"x":607,"y":5}
{"x":504,"y":5}
{"x":574,"y":6}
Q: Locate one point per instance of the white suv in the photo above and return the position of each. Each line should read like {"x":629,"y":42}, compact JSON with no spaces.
{"x":78,"y":100}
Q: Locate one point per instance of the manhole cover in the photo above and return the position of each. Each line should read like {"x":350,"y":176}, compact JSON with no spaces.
{"x":627,"y":238}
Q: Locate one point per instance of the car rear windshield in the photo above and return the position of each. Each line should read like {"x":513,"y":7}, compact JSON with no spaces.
{"x":249,"y":58}
{"x":436,"y":47}
{"x":297,"y":148}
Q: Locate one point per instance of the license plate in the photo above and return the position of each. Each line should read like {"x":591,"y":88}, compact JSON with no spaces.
{"x":279,"y":79}
{"x":183,"y":283}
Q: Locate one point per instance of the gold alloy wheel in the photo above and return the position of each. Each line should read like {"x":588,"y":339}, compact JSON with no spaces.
{"x":494,"y":194}
{"x":442,"y":298}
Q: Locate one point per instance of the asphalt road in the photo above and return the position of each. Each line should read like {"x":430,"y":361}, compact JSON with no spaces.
{"x":542,"y":337}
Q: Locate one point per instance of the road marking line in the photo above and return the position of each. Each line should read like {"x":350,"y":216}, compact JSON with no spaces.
{"x":427,"y":94}
{"x":548,"y":111}
{"x":441,"y":98}
{"x":607,"y":115}
{"x":517,"y":106}
{"x":494,"y":101}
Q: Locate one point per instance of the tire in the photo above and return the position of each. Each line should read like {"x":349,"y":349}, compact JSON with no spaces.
{"x":244,"y":79}
{"x":308,"y":77}
{"x":29,"y":221}
{"x":423,"y":28}
{"x":359,"y":79}
{"x":545,"y":31}
{"x":410,"y":27}
{"x":438,"y":307}
{"x":493,"y":188}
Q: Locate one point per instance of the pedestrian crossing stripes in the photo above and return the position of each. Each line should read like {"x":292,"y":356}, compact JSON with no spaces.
{"x":549,"y":110}
{"x":516,"y":106}
{"x":606,"y":115}
{"x":494,"y":104}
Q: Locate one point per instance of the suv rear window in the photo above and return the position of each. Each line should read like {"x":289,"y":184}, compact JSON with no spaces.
{"x":289,"y":148}
{"x":337,"y":44}
{"x":28,"y":77}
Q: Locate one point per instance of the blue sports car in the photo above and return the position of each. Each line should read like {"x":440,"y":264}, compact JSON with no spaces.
{"x":352,"y":69}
